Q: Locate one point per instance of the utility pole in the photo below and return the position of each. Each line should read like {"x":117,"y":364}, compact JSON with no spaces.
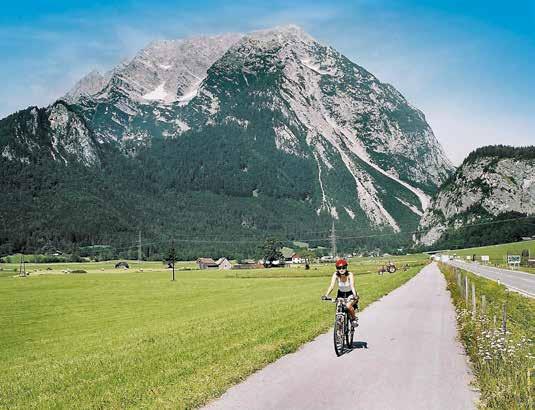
{"x":22,"y":267}
{"x":333,"y":241}
{"x":139,"y":249}
{"x":172,"y":258}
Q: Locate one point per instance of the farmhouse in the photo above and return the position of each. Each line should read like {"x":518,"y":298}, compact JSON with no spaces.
{"x":296,"y":258}
{"x":206,"y":263}
{"x":223,"y":264}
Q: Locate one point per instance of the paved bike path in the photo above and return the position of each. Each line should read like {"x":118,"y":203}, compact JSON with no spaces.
{"x":412,"y":361}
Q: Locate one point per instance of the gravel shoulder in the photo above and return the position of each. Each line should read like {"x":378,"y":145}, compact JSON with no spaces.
{"x":406,"y":356}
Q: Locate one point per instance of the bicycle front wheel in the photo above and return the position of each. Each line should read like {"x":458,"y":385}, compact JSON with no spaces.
{"x":339,"y":335}
{"x":350,"y":331}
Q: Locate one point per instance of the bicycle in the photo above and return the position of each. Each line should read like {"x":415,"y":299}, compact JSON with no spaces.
{"x":343,"y":330}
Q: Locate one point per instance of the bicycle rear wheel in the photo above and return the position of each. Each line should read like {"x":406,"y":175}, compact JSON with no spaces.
{"x":339,"y":335}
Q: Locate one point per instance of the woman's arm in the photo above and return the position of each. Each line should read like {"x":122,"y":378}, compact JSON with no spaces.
{"x":331,"y":286}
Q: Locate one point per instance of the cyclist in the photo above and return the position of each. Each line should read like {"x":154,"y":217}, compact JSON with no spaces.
{"x":346,"y":288}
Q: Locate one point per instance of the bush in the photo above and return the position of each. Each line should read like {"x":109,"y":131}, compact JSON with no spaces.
{"x":78,"y":271}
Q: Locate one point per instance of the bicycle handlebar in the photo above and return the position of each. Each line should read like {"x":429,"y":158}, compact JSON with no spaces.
{"x":329,"y":299}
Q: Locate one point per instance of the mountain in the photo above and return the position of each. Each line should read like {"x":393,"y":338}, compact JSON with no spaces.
{"x":279,"y":128}
{"x":493,"y":184}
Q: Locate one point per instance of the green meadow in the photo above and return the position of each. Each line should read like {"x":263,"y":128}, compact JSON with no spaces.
{"x":132,"y":338}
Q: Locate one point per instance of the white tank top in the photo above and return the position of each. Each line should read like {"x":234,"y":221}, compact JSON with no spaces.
{"x":344,"y":286}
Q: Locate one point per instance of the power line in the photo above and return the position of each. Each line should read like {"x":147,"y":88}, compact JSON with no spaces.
{"x":259,"y":240}
{"x":327,"y":238}
{"x":333,"y":241}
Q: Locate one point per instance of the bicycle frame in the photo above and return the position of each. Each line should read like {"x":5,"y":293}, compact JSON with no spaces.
{"x":343,"y":331}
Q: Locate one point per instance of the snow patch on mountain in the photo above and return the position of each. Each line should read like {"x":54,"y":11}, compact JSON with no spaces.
{"x":242,"y":123}
{"x":286,"y":141}
{"x":369,"y":200}
{"x":324,"y":202}
{"x":159,"y":93}
{"x":350,"y":212}
{"x":410,"y":206}
{"x":316,"y":68}
{"x":6,"y":153}
{"x":334,"y":213}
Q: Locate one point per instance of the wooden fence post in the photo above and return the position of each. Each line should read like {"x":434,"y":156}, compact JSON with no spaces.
{"x":504,"y":319}
{"x":474,"y":309}
{"x":483,"y":304}
{"x":466,"y":290}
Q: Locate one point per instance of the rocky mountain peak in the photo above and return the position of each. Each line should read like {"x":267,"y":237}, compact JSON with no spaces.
{"x":89,"y":85}
{"x":305,"y":122}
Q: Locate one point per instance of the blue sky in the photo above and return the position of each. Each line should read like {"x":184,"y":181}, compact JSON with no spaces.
{"x":468,"y":65}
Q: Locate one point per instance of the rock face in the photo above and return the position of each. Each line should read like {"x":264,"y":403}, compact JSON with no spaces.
{"x":487,"y":184}
{"x":268,"y":114}
{"x":91,"y":84}
{"x":56,"y":133}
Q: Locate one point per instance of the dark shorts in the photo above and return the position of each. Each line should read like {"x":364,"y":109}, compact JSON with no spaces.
{"x":346,"y":295}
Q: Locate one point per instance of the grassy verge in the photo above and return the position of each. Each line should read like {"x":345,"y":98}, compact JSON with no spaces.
{"x":135,"y":339}
{"x":503,"y":361}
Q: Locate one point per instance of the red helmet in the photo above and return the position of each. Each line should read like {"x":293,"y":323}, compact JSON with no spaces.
{"x":341,"y":263}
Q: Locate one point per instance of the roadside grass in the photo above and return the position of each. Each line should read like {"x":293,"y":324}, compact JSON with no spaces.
{"x":136,"y":339}
{"x":503,"y":362}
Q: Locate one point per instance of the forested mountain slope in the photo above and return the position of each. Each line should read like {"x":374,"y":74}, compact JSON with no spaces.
{"x":234,"y":136}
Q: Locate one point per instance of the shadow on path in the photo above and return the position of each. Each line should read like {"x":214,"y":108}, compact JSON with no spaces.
{"x":355,"y":345}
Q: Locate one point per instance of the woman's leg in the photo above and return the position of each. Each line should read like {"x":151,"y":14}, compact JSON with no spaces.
{"x":351,"y":309}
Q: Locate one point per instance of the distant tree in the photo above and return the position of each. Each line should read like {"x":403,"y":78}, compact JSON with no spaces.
{"x":271,"y":250}
{"x":171,"y":258}
{"x":307,"y":255}
{"x":75,"y":254}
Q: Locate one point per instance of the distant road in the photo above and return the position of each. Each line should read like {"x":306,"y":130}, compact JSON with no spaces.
{"x":515,"y":280}
{"x":413,"y":360}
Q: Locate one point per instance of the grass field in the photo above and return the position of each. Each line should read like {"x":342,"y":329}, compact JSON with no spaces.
{"x":498,"y":253}
{"x":503,"y":363}
{"x":123,"y":339}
